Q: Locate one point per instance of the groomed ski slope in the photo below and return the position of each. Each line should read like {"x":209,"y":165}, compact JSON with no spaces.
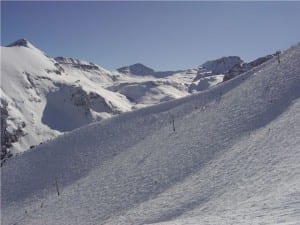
{"x":233,"y":159}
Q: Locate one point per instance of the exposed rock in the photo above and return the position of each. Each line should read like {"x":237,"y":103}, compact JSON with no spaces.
{"x":75,"y":63}
{"x":8,"y":137}
{"x":21,"y":42}
{"x":244,"y":67}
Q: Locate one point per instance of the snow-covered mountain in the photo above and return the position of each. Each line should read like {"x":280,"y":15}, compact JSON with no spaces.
{"x":222,"y":65}
{"x":142,"y":70}
{"x":136,"y":69}
{"x":227,"y":155}
{"x":43,"y":97}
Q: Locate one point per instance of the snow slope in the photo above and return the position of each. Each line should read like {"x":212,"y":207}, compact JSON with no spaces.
{"x":233,"y":159}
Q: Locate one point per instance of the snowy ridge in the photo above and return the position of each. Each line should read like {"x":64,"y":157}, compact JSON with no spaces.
{"x":79,"y":64}
{"x":23,"y":43}
{"x":233,"y":159}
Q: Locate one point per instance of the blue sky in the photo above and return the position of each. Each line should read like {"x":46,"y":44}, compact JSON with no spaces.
{"x":162,"y":35}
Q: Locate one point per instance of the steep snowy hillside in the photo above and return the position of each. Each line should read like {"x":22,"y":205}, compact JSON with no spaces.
{"x":43,"y":97}
{"x":228,"y":155}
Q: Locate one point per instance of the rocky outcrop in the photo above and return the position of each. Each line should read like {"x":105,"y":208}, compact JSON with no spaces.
{"x":244,"y":67}
{"x":21,"y":42}
{"x":79,"y":64}
{"x":8,"y":137}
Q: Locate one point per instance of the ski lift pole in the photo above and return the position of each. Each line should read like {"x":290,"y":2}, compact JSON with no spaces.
{"x":57,"y":189}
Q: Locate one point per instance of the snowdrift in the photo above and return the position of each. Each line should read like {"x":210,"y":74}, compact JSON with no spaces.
{"x":233,"y":159}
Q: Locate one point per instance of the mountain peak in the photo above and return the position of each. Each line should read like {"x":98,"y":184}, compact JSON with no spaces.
{"x":222,"y":65}
{"x":21,"y":42}
{"x":136,"y":69}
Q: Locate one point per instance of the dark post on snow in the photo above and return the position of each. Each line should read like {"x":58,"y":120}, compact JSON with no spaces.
{"x":278,"y":56}
{"x":173,"y":122}
{"x":56,"y":184}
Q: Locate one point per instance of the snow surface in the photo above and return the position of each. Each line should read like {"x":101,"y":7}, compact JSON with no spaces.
{"x":233,"y":159}
{"x":52,"y":96}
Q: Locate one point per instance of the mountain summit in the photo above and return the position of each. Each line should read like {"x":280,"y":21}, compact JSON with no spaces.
{"x":222,"y":65}
{"x":21,"y":42}
{"x":136,"y":69}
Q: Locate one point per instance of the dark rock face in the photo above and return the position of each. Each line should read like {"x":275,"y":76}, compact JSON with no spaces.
{"x":21,"y":42}
{"x":8,"y":137}
{"x":76,"y":63}
{"x":4,"y":138}
{"x":244,"y":67}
